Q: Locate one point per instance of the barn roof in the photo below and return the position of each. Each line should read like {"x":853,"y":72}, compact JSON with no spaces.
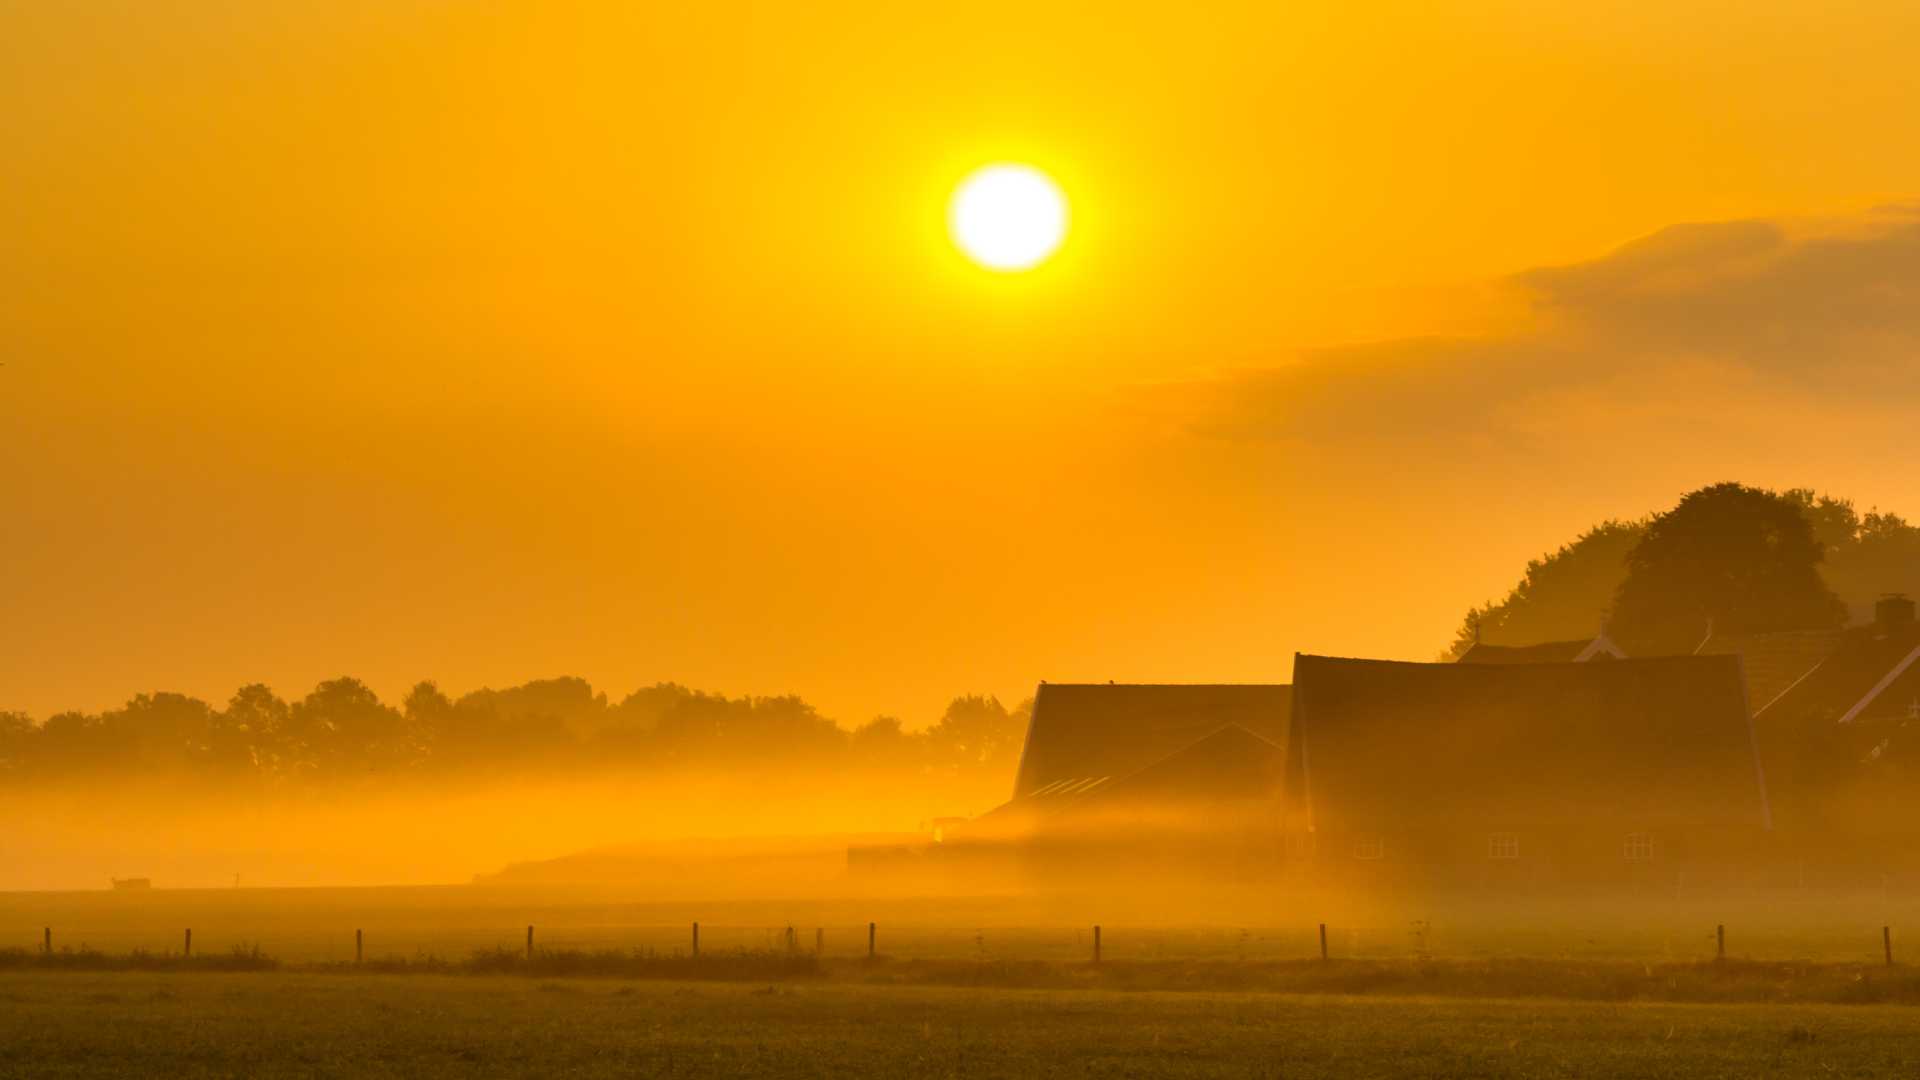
{"x":1774,"y":662}
{"x":1088,"y":731}
{"x":1546,"y":652}
{"x":1870,"y":674}
{"x":1228,"y":771}
{"x":1662,"y":741}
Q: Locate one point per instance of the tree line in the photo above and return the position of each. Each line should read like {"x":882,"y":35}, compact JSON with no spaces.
{"x":343,"y":731}
{"x":1727,"y":558}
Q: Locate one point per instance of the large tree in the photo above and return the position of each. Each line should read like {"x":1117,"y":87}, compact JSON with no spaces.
{"x":1564,"y":595}
{"x":1730,"y":557}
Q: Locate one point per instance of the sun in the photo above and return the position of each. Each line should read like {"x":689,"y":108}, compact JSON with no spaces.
{"x":1008,"y":217}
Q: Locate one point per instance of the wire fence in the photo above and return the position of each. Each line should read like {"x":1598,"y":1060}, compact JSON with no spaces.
{"x":1418,"y":939}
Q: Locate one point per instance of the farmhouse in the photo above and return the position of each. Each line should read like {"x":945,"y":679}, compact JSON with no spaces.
{"x":1107,"y":732}
{"x":1534,"y":772}
{"x":1851,"y":711}
{"x":1600,"y":647}
{"x":1163,"y":773}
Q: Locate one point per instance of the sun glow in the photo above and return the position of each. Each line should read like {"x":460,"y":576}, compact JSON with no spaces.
{"x":1008,"y":217}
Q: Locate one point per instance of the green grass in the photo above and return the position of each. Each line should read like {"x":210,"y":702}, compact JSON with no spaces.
{"x":287,"y":1024}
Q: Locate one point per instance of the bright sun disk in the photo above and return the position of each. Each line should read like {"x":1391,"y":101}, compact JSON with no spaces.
{"x":1008,"y":217}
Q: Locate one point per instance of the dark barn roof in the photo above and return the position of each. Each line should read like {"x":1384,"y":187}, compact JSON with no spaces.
{"x":1663,"y":741}
{"x":1547,"y":652}
{"x":1107,"y":731}
{"x":1774,"y":662}
{"x":1872,"y":676}
{"x":1218,"y":780}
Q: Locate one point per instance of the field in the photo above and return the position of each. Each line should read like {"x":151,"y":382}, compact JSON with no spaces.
{"x":307,"y":1025}
{"x":962,"y":987}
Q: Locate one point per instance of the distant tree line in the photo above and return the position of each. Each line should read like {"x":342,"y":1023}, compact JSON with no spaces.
{"x":343,"y":731}
{"x":1734,"y":558}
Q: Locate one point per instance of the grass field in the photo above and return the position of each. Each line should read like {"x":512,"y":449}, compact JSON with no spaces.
{"x":313,"y":1025}
{"x":992,"y":986}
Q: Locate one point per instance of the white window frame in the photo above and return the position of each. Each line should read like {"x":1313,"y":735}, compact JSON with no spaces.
{"x":1637,"y":847}
{"x":1503,"y":845}
{"x":1369,"y":847}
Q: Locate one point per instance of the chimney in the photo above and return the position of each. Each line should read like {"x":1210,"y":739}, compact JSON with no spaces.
{"x":1893,"y":614}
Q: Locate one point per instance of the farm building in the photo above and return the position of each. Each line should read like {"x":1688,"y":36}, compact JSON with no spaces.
{"x":1842,"y":743}
{"x":1772,"y":662}
{"x":1169,"y":773}
{"x":1094,"y":732}
{"x":1533,"y":772}
{"x":1600,"y":647}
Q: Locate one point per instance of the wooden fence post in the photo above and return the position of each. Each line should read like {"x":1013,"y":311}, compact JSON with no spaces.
{"x":1886,"y":942}
{"x":1096,"y":943}
{"x":47,"y":941}
{"x":359,"y":945}
{"x":187,"y":950}
{"x":1323,"y":942}
{"x":819,"y":940}
{"x":872,"y":933}
{"x":696,"y":938}
{"x":1720,"y":942}
{"x":529,"y":944}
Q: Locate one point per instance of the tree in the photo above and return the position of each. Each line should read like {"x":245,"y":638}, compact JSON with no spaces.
{"x":976,"y":731}
{"x":253,"y":728}
{"x":1738,"y":559}
{"x":17,"y":731}
{"x":343,"y":728}
{"x":1562,"y":596}
{"x":1866,"y":554}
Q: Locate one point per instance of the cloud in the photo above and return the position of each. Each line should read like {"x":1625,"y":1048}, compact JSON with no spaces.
{"x":1723,"y":324}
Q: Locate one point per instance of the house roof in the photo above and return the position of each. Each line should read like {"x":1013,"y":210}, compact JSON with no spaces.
{"x":1774,"y":662}
{"x":1662,"y":741}
{"x":1546,"y":652}
{"x":1228,"y":771}
{"x":1090,"y":731}
{"x":1871,"y":674}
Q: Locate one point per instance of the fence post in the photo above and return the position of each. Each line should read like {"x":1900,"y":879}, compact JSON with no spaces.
{"x":47,"y":941}
{"x":186,"y":951}
{"x":529,"y":944}
{"x":819,"y":940}
{"x":359,"y":945}
{"x":696,"y":938}
{"x":1323,"y":942}
{"x":872,"y":933}
{"x":1096,"y":943}
{"x":1720,"y":942}
{"x":1886,"y":942}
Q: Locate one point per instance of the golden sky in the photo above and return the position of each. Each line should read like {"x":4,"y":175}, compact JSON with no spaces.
{"x":488,"y":341}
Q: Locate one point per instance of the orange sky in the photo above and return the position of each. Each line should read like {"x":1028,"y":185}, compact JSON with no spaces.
{"x":486,"y":342}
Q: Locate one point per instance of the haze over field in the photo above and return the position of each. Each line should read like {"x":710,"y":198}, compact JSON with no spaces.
{"x":487,"y":343}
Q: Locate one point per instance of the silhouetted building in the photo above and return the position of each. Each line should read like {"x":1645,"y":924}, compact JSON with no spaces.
{"x":1093,"y":732}
{"x":1773,"y":662}
{"x":1848,"y":709}
{"x":1147,"y":774}
{"x":1600,"y":647}
{"x":1535,"y":772}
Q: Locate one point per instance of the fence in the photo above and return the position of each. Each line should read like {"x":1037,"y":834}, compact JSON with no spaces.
{"x":1326,"y":942}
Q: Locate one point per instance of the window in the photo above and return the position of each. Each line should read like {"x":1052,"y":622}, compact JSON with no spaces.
{"x":1503,"y":845}
{"x":1300,"y":845}
{"x":1638,"y":847}
{"x":1368,"y":846}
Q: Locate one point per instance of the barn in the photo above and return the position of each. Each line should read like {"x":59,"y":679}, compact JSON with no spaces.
{"x":1630,"y":770}
{"x":1163,"y":773}
{"x":1577,"y":651}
